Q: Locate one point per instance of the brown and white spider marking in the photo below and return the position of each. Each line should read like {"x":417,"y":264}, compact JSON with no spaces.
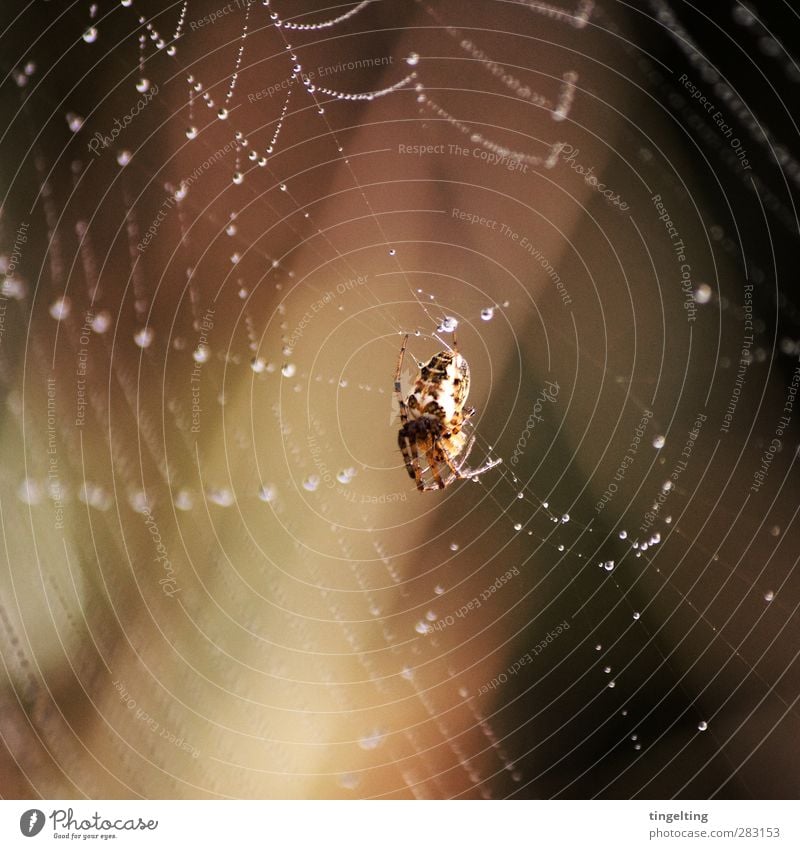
{"x":433,"y":417}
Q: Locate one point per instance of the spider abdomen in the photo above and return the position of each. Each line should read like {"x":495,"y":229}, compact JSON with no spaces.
{"x":433,"y":417}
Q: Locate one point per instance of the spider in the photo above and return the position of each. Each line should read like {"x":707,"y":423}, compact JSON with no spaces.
{"x":433,"y":418}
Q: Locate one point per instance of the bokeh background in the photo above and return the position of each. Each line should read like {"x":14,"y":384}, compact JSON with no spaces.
{"x":218,"y":222}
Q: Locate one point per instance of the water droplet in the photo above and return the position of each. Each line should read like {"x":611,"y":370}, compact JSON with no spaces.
{"x":221,"y":497}
{"x":311,"y":483}
{"x":60,"y":308}
{"x":29,"y":492}
{"x":518,"y":526}
{"x":144,"y":337}
{"x":90,"y":35}
{"x":238,"y":178}
{"x":74,"y":122}
{"x":607,"y":670}
{"x":101,"y":322}
{"x":608,"y":565}
{"x":612,"y":684}
{"x":636,"y":615}
{"x":138,"y":501}
{"x":598,"y":647}
{"x":372,"y":740}
{"x":392,"y":251}
{"x":448,"y":325}
{"x":124,"y":157}
{"x":412,"y":59}
{"x":659,"y":441}
{"x":222,"y":114}
{"x":258,"y":365}
{"x":266,"y":493}
{"x":422,"y":628}
{"x":775,"y":531}
{"x":201,"y":354}
{"x":143,"y":85}
{"x":565,"y":518}
{"x":769,"y":595}
{"x":623,"y":534}
{"x":184,"y":500}
{"x":289,"y":370}
{"x":95,"y":496}
{"x":191,"y":132}
{"x":439,"y":589}
{"x":702,"y":295}
{"x":454,"y":546}
{"x":702,"y":725}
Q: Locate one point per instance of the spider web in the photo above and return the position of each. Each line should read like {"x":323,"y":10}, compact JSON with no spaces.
{"x":220,"y":581}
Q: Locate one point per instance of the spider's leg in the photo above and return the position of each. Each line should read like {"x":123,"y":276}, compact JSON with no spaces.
{"x":456,"y":470}
{"x":434,"y":467}
{"x":437,"y":457}
{"x":399,"y":370}
{"x":434,"y":487}
{"x":411,"y":457}
{"x":460,"y":472}
{"x":473,"y":473}
{"x":398,"y":389}
{"x":403,"y":407}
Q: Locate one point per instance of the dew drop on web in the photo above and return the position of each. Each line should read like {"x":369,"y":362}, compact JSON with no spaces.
{"x":144,"y":337}
{"x":60,"y":308}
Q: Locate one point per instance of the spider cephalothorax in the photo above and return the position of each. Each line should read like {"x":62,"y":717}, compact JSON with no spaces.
{"x":432,"y":419}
